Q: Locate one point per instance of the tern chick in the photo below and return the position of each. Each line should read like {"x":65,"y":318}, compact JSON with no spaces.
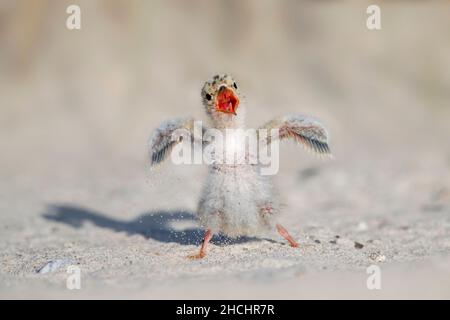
{"x":237,"y":200}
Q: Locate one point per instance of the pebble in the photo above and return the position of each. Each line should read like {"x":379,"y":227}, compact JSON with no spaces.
{"x":54,"y":265}
{"x":358,"y":245}
{"x":377,"y":257}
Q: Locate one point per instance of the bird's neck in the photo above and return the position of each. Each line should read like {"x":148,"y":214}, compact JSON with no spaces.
{"x":230,"y":121}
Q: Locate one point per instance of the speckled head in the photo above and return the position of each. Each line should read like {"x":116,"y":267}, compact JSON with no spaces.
{"x":220,"y":95}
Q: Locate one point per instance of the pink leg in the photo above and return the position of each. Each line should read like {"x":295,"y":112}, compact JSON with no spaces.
{"x":287,"y":236}
{"x":202,"y":253}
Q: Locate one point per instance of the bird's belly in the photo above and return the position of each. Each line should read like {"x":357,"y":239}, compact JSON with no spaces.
{"x":232,"y":201}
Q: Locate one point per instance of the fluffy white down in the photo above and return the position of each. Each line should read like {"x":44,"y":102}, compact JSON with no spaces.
{"x":237,"y":200}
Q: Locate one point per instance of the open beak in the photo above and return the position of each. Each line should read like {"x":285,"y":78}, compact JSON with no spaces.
{"x":227,"y":101}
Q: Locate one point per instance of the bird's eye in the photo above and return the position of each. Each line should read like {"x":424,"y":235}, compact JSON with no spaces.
{"x":235,"y":85}
{"x":208,"y":97}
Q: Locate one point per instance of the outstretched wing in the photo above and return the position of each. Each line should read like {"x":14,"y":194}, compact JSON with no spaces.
{"x":303,"y":129}
{"x":167,"y":135}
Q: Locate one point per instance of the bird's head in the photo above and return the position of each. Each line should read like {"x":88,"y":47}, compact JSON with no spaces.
{"x":220,"y":97}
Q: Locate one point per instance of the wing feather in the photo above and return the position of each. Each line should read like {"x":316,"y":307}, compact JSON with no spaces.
{"x":305,"y":130}
{"x":166,"y":136}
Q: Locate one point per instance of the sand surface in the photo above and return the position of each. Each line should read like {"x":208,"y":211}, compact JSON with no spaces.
{"x":133,"y":235}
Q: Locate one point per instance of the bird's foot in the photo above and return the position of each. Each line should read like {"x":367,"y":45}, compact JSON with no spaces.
{"x":202,"y":253}
{"x":294,"y":244}
{"x":283,"y":232}
{"x":197,"y":256}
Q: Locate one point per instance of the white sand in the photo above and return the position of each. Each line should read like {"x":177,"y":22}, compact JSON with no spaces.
{"x":104,"y":225}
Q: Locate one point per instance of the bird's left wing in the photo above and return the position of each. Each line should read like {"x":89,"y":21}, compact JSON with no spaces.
{"x":168,"y":134}
{"x":303,"y":129}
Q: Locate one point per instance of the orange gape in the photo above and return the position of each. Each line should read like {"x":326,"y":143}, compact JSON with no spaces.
{"x":227,"y":101}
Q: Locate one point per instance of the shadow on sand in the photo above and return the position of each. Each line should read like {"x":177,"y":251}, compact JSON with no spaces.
{"x":153,"y":225}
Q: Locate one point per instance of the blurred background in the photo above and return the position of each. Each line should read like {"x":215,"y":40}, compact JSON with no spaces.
{"x":78,"y":106}
{"x":96,"y":94}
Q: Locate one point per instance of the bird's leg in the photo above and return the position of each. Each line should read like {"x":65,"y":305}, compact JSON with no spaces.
{"x":202,"y":253}
{"x":287,"y":236}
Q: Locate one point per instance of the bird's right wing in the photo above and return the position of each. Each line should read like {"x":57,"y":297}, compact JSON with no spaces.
{"x":167,"y":135}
